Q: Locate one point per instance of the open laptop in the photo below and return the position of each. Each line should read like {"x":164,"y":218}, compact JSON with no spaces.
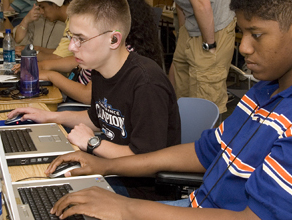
{"x":19,"y":210}
{"x":33,"y":143}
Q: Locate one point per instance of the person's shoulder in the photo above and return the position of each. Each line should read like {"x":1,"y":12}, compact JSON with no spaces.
{"x":144,"y":63}
{"x":147,"y":71}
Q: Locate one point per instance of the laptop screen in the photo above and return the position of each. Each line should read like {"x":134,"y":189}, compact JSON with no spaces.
{"x":7,"y":189}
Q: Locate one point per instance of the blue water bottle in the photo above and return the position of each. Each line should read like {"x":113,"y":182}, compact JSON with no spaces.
{"x":29,"y":72}
{"x":8,"y":50}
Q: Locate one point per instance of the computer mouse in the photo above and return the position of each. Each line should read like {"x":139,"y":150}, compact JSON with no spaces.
{"x":17,"y":121}
{"x":64,"y":168}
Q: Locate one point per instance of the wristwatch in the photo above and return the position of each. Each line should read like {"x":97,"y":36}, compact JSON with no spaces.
{"x":93,"y":143}
{"x":207,"y":47}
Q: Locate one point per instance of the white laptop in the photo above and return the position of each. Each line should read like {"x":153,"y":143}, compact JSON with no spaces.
{"x":33,"y":143}
{"x":19,"y":210}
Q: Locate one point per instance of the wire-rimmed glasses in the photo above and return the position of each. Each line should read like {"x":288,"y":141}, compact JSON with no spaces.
{"x":78,"y":41}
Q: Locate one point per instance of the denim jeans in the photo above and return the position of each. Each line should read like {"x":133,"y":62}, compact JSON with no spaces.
{"x":180,"y":203}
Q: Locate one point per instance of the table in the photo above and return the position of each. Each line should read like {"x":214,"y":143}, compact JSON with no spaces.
{"x":20,"y":172}
{"x":52,"y":99}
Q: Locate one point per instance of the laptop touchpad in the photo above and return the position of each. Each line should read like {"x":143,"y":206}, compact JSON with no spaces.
{"x":49,"y":138}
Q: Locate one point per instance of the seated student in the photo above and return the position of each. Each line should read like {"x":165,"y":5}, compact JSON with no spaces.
{"x":247,"y":160}
{"x":140,"y":39}
{"x":42,"y":33}
{"x":55,"y":10}
{"x":133,"y":102}
{"x":22,"y":7}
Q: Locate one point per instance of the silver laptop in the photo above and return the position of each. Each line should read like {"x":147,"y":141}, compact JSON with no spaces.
{"x":33,"y":143}
{"x":19,"y":210}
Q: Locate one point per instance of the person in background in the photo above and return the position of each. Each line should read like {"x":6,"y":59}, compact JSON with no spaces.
{"x":204,"y":50}
{"x":22,"y":7}
{"x":247,"y":160}
{"x":132,"y":103}
{"x":55,"y":10}
{"x":42,"y":33}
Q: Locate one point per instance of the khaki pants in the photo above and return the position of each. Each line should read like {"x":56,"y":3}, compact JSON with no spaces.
{"x":200,"y":73}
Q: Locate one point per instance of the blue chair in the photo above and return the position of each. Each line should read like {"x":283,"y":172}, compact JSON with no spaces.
{"x":196,"y":115}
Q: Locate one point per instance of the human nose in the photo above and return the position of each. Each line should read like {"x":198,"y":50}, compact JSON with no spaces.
{"x":72,"y":46}
{"x":246,"y":47}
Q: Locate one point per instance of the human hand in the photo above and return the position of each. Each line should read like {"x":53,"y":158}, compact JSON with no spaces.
{"x":80,"y":135}
{"x":16,"y":68}
{"x":37,"y":115}
{"x":18,"y":50}
{"x":90,"y":164}
{"x":33,"y":15}
{"x":94,"y":202}
{"x":213,"y":50}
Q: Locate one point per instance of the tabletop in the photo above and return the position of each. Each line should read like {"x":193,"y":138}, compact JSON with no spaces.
{"x":52,"y":99}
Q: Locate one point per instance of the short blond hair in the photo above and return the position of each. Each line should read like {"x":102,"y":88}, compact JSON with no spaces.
{"x":107,"y":14}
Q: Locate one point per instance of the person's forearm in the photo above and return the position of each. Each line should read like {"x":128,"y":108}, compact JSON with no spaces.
{"x":180,"y":158}
{"x":6,"y":5}
{"x":72,"y":118}
{"x":64,"y":65}
{"x":20,"y":33}
{"x":204,"y":16}
{"x":144,"y":210}
{"x":45,"y":56}
{"x":21,"y":30}
{"x":108,"y":149}
{"x":180,"y":16}
{"x":44,"y":50}
{"x":75,"y":90}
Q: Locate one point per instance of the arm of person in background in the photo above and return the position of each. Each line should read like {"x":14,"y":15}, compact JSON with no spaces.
{"x":181,"y":22}
{"x":21,"y":30}
{"x":7,"y":6}
{"x":63,"y":65}
{"x":47,"y":56}
{"x":180,"y":16}
{"x":75,"y":90}
{"x":204,"y":16}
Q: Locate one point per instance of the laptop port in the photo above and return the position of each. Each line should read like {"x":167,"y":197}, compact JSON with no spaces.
{"x":23,"y":161}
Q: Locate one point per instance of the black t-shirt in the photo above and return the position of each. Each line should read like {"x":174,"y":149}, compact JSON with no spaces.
{"x":137,"y":106}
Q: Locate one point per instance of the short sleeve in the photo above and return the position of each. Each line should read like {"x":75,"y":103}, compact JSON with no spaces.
{"x":62,"y":49}
{"x":207,"y":147}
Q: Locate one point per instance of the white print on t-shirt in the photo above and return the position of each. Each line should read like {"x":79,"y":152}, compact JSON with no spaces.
{"x":111,"y":117}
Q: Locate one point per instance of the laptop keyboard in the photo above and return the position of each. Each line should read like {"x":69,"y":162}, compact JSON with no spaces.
{"x":17,"y":140}
{"x":41,"y":200}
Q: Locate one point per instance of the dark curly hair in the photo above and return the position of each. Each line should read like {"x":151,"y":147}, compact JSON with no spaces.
{"x":143,"y":36}
{"x":275,"y":10}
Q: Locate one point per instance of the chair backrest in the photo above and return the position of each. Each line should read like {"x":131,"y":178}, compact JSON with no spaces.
{"x":196,"y":116}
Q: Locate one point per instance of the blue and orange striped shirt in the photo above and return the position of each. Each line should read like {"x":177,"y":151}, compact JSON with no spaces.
{"x":253,"y":150}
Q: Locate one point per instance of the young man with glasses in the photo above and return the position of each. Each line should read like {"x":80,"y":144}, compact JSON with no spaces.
{"x":133,"y":102}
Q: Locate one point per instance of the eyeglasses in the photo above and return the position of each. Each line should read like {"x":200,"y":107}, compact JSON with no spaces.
{"x":78,"y":41}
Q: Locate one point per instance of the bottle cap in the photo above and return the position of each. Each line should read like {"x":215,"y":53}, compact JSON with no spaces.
{"x":8,"y":31}
{"x":28,"y":51}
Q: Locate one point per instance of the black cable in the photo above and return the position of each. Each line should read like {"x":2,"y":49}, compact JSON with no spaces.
{"x":227,"y":168}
